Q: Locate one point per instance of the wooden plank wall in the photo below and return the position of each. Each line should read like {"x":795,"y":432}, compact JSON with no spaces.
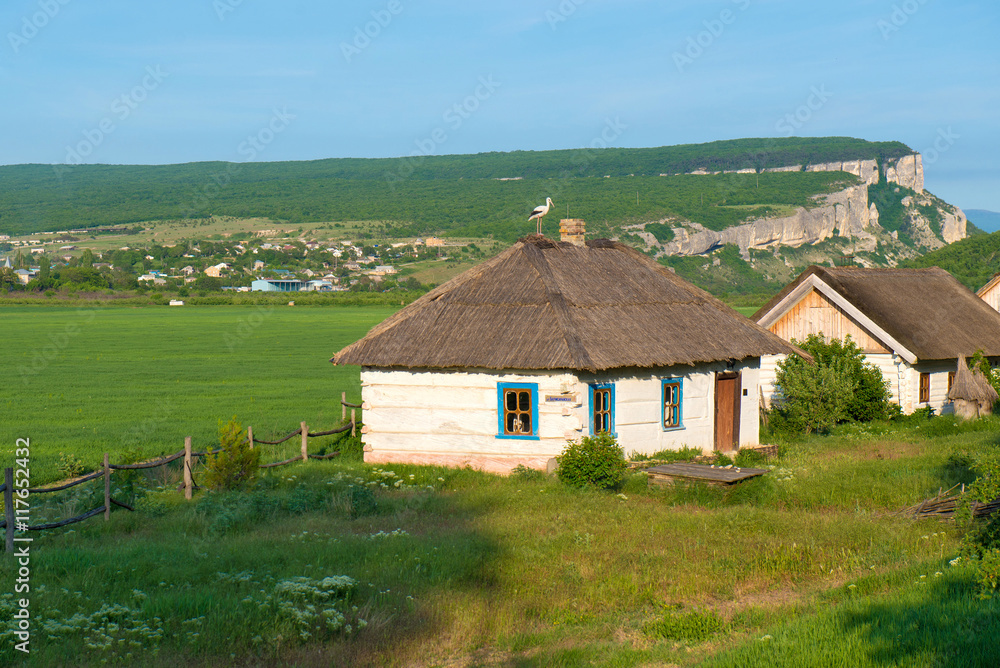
{"x":815,"y":314}
{"x":992,"y":296}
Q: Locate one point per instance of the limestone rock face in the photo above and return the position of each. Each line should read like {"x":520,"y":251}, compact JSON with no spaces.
{"x":845,"y":213}
{"x":907,"y":171}
{"x":867,"y":170}
{"x":953,"y":226}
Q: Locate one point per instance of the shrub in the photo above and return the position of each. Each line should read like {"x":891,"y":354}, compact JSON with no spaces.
{"x":70,"y":466}
{"x":236,"y":464}
{"x":988,"y":573}
{"x":596,"y":461}
{"x":839,"y":386}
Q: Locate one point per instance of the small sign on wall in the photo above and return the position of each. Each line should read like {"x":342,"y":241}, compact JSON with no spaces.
{"x":560,"y":398}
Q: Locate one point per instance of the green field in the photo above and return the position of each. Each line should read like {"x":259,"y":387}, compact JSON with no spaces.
{"x":93,"y":380}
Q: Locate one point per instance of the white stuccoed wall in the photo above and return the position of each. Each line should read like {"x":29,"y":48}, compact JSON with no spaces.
{"x":450,"y":417}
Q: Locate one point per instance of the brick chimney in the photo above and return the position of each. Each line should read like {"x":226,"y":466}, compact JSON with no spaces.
{"x":572,"y":230}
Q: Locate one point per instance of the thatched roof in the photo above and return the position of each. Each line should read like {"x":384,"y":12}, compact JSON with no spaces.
{"x":971,"y":385}
{"x":927,"y":311}
{"x":544,"y":304}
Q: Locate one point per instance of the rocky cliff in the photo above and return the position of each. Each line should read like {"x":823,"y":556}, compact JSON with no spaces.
{"x":929,"y":223}
{"x":846,"y":214}
{"x":907,"y":171}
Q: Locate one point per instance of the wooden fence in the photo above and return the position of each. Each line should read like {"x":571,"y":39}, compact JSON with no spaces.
{"x":946,"y":504}
{"x":9,"y":523}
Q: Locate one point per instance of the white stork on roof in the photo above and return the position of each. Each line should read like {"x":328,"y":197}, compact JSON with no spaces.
{"x":539,"y":212}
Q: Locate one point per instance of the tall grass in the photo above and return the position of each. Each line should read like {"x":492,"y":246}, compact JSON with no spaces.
{"x":460,"y":563}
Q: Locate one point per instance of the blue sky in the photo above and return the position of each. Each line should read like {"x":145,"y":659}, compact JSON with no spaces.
{"x":192,"y":80}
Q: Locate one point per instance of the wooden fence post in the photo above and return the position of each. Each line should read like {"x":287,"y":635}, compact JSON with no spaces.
{"x":8,"y":507}
{"x":107,"y":488}
{"x":187,"y":468}
{"x":250,"y":436}
{"x":343,"y":406}
{"x":305,"y":442}
{"x":354,"y":423}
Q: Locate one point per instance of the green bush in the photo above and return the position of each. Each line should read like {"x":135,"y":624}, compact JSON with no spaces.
{"x":70,"y":466}
{"x":236,"y":464}
{"x":988,"y":573}
{"x":838,"y":386}
{"x":596,"y":461}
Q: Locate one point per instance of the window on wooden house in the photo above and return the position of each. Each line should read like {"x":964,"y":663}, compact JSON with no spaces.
{"x":517,"y":410}
{"x":925,"y":388}
{"x":672,"y":403}
{"x":951,"y":379}
{"x":602,"y":408}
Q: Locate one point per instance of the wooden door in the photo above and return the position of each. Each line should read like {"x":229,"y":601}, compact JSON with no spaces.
{"x":727,"y":411}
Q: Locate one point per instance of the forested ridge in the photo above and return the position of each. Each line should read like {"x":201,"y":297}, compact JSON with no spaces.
{"x":461,"y":194}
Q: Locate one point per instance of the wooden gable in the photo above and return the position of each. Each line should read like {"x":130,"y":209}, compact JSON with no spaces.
{"x":815,"y":314}
{"x":990,"y":293}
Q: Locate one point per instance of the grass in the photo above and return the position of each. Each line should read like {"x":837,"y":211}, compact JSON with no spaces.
{"x":452,"y":567}
{"x":525,"y":571}
{"x":126,"y":380}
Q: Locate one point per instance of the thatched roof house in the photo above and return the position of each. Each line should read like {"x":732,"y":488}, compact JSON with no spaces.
{"x":912,"y":323}
{"x":544,"y":304}
{"x":592,"y":336}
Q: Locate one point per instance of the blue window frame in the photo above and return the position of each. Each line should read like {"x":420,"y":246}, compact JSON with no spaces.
{"x":672,"y":401}
{"x":517,"y":410}
{"x":602,"y":408}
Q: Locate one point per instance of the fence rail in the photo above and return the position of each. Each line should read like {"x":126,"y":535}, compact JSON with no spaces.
{"x":946,"y":504}
{"x":7,"y":488}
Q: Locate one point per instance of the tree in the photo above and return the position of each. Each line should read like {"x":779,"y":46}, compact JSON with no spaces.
{"x":236,"y":464}
{"x":837,"y":386}
{"x":207,"y":283}
{"x":86,"y":258}
{"x":8,"y":279}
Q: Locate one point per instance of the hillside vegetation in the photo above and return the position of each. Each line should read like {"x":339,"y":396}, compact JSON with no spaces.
{"x":433,"y":194}
{"x":973,"y":261}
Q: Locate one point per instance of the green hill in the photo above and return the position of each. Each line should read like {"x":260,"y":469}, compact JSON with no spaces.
{"x":973,"y":260}
{"x":481,"y":194}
